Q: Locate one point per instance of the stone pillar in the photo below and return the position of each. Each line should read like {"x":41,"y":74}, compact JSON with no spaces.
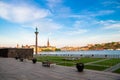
{"x":36,"y":41}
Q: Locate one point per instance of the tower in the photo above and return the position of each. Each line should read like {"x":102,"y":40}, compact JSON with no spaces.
{"x":48,"y":43}
{"x":17,"y":45}
{"x":36,"y":40}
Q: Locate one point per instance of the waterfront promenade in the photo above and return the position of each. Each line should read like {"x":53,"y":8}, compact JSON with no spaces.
{"x":11,"y":69}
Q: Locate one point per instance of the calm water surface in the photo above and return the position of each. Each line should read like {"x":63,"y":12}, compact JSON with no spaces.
{"x":99,"y":54}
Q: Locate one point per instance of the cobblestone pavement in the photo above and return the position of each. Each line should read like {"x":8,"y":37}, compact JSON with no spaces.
{"x":11,"y":69}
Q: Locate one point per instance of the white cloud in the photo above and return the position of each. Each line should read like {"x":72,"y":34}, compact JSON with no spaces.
{"x":77,"y":28}
{"x":58,"y":8}
{"x":49,"y":26}
{"x":45,"y":25}
{"x":21,"y":13}
{"x":53,"y":3}
{"x":112,"y":3}
{"x":76,"y":32}
{"x":113,"y":26}
{"x":103,"y":12}
{"x":109,"y":24}
{"x":77,"y":16}
{"x":84,"y":40}
{"x":103,"y":38}
{"x":91,"y":14}
{"x":98,"y":13}
{"x":29,"y":16}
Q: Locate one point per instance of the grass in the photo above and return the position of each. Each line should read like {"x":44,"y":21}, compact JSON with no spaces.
{"x":60,"y":60}
{"x":56,"y":59}
{"x":110,"y":62}
{"x":93,"y":67}
{"x":50,"y":58}
{"x":86,"y":60}
{"x":117,"y":71}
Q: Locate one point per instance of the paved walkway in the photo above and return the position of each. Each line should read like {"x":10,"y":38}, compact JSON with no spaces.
{"x":11,"y":69}
{"x":96,"y":61}
{"x":113,"y":68}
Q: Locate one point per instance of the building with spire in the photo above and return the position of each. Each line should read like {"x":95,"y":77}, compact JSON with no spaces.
{"x":48,"y":47}
{"x":37,"y":48}
{"x":48,"y":43}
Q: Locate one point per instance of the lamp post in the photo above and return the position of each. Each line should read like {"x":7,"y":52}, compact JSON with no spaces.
{"x":36,"y":40}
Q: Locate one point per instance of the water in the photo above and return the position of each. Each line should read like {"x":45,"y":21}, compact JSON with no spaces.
{"x":96,"y":54}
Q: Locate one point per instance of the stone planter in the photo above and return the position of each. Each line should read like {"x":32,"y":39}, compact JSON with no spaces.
{"x":21,"y":59}
{"x":16,"y":57}
{"x":80,"y":67}
{"x":34,"y":60}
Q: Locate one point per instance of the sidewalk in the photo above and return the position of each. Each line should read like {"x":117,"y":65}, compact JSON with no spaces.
{"x":11,"y":69}
{"x":113,"y":68}
{"x":96,"y":61}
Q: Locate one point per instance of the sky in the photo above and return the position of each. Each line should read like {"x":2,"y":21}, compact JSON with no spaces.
{"x":64,"y":22}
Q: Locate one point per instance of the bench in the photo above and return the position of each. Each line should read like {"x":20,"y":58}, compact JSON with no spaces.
{"x":48,"y":64}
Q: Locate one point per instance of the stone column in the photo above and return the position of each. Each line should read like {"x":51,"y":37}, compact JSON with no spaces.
{"x":36,"y":41}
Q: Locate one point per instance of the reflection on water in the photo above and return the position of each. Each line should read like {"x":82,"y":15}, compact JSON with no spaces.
{"x":97,"y":54}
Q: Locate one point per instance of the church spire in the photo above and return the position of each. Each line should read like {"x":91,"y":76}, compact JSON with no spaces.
{"x":48,"y":43}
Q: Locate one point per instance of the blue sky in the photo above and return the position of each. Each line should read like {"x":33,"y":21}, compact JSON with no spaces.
{"x":64,"y":22}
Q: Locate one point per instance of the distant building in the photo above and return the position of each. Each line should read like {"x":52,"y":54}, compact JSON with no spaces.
{"x":48,"y":43}
{"x":74,"y":48}
{"x":44,"y":48}
{"x":67,"y":48}
{"x":90,"y":45}
{"x":17,"y":46}
{"x":26,"y":46}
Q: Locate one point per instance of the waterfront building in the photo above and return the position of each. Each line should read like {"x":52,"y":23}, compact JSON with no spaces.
{"x":48,"y":47}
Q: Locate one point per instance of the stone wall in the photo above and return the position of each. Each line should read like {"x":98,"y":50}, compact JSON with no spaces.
{"x":13,"y":52}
